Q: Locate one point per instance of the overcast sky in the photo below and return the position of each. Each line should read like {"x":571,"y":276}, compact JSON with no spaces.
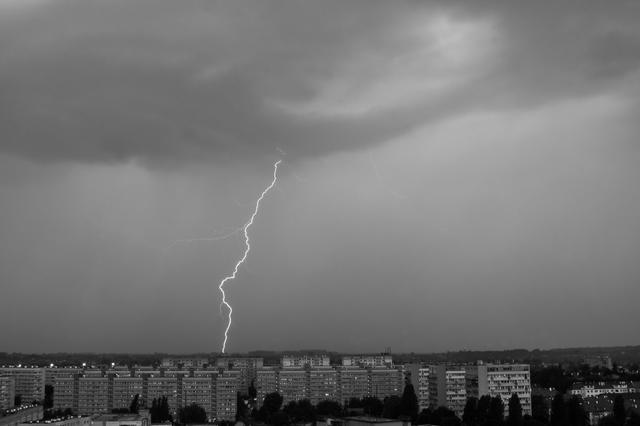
{"x":456,"y":175}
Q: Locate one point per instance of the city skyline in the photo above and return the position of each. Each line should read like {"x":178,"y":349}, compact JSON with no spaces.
{"x":454,"y":175}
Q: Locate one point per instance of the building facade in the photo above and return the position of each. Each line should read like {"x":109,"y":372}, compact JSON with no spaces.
{"x":504,"y":380}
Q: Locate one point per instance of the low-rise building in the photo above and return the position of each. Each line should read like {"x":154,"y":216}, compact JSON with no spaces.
{"x":588,"y":389}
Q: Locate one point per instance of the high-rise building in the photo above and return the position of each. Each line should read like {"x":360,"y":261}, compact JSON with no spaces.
{"x":65,"y":393}
{"x":385,"y":382}
{"x":200,"y":391}
{"x":226,"y":394}
{"x":247,"y":366}
{"x":504,"y":380}
{"x":353,"y":382}
{"x":7,"y":392}
{"x":292,"y":384}
{"x":124,"y":390}
{"x":322,"y":384}
{"x":419,"y":376}
{"x":266,"y":383}
{"x":93,"y":395}
{"x":29,"y":382}
{"x":51,"y":373}
{"x":159,"y":387}
{"x":448,"y":387}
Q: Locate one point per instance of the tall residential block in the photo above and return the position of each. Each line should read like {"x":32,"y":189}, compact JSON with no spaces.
{"x":322,"y":384}
{"x":448,"y":387}
{"x":29,"y":382}
{"x":7,"y":392}
{"x":504,"y":380}
{"x":353,"y":382}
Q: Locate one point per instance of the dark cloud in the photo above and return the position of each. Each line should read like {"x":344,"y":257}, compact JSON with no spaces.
{"x":166,"y":82}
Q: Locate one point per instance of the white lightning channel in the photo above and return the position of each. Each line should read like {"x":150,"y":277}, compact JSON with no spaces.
{"x":246,"y":253}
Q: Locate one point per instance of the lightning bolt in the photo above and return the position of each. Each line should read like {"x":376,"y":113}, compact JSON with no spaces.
{"x":246,"y":252}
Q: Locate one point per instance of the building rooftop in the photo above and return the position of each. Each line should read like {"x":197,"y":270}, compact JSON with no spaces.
{"x":372,"y":420}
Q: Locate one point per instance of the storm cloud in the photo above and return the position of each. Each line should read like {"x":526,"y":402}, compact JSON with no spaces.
{"x":455,"y":174}
{"x":161,"y":81}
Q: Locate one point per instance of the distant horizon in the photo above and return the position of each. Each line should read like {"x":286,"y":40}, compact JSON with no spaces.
{"x":328,"y":351}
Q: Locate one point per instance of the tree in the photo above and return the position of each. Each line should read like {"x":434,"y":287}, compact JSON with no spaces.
{"x":355,"y":403}
{"x":192,"y":414}
{"x":576,"y":415}
{"x":634,"y":419}
{"x":409,"y":402}
{"x":450,"y":421}
{"x":443,"y":415}
{"x":483,"y":408}
{"x":470,"y":413}
{"x":372,"y":406}
{"x":253,"y":393}
{"x":608,"y":421}
{"x":328,"y":408}
{"x":495,"y":417}
{"x":539,"y":409}
{"x":242,"y":406}
{"x":164,"y":410}
{"x":558,"y":411}
{"x":48,"y":397}
{"x":160,"y":410}
{"x":279,"y":418}
{"x":135,"y":404}
{"x":17,"y":400}
{"x":515,"y":411}
{"x":425,"y":417}
{"x":619,"y":412}
{"x":300,"y":412}
{"x":391,"y":408}
{"x":272,"y":403}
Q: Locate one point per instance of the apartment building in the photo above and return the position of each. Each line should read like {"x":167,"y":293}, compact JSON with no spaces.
{"x":247,"y":367}
{"x":7,"y":392}
{"x":322,"y":384}
{"x":158,"y":387}
{"x":447,"y":387}
{"x":385,"y":382}
{"x":353,"y":382}
{"x":93,"y":395}
{"x":226,"y":394}
{"x":419,"y":376}
{"x":201,"y":391}
{"x":29,"y":382}
{"x":124,"y":390}
{"x":587,"y":389}
{"x":65,"y":393}
{"x":266,"y":383}
{"x":292,"y":384}
{"x":375,"y":361}
{"x":302,"y":361}
{"x":504,"y":380}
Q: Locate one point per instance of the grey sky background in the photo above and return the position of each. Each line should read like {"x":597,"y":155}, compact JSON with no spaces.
{"x":457,"y":175}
